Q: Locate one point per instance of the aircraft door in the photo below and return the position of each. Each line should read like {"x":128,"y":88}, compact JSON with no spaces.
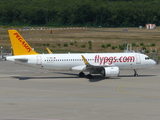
{"x":138,"y":59}
{"x":39,"y":60}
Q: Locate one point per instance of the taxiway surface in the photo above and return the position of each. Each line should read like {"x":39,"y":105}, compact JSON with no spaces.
{"x":34,"y":94}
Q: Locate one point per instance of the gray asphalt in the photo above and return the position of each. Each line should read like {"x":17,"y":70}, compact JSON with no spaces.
{"x":34,"y":94}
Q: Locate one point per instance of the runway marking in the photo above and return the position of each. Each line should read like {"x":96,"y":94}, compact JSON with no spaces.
{"x":77,"y":111}
{"x":98,"y":108}
{"x":119,"y":89}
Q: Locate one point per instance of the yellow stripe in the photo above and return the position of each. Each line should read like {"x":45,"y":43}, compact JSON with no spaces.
{"x":119,"y":89}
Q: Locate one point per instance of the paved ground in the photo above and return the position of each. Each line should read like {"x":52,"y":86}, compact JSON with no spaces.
{"x":34,"y":94}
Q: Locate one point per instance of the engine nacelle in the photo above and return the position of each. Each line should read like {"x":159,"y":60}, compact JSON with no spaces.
{"x":110,"y":71}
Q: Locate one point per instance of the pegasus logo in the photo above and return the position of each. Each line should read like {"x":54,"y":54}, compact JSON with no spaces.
{"x":24,"y":44}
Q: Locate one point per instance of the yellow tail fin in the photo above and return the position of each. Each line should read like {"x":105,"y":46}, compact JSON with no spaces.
{"x":19,"y":45}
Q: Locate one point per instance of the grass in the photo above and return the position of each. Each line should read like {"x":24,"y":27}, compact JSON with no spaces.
{"x":97,"y":37}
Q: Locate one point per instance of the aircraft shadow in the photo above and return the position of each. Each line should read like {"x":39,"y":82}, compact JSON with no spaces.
{"x":137,"y":76}
{"x":27,"y":78}
{"x":96,"y":78}
{"x":73,"y":74}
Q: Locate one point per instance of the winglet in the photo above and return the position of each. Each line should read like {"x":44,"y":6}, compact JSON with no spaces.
{"x":49,"y":50}
{"x":19,"y":45}
{"x":85,"y":60}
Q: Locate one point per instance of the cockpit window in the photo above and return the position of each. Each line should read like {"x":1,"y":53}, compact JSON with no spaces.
{"x":147,"y":58}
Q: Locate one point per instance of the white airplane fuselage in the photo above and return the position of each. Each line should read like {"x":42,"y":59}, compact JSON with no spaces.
{"x":75,"y":61}
{"x":106,"y":64}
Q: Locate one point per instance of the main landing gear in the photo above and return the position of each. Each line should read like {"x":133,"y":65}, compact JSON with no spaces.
{"x":89,"y":76}
{"x":81,"y":74}
{"x":135,"y":73}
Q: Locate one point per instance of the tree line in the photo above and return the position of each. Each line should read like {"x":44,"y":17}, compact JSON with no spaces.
{"x":105,"y":13}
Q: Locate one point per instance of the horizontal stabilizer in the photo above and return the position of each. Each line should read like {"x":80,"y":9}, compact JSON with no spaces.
{"x":21,"y":60}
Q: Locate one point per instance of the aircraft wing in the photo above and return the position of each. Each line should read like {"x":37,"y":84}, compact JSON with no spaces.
{"x":90,"y":67}
{"x":107,"y":70}
{"x":49,"y":50}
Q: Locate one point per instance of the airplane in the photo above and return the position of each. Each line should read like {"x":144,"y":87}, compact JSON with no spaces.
{"x":106,"y":64}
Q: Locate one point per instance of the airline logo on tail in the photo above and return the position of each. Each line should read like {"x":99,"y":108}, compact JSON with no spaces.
{"x":19,"y":45}
{"x":24,"y":44}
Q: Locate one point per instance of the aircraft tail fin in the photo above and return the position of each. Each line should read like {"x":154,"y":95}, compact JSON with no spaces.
{"x":19,"y":45}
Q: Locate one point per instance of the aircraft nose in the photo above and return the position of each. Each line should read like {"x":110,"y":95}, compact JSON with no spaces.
{"x":154,"y":62}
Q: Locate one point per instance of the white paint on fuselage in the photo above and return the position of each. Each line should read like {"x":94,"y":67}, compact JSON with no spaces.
{"x":68,"y":61}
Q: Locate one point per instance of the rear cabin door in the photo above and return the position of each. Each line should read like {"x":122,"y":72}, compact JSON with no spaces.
{"x":39,"y":60}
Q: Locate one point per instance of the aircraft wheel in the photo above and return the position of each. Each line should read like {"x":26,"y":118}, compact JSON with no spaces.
{"x":89,"y":76}
{"x":81,"y":74}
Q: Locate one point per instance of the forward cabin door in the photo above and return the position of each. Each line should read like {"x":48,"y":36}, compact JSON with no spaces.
{"x":138,"y":59}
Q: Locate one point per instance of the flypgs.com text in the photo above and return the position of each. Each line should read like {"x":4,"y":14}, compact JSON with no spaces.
{"x":114,"y":59}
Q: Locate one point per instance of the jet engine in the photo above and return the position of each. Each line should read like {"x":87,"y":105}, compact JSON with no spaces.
{"x":110,"y":71}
